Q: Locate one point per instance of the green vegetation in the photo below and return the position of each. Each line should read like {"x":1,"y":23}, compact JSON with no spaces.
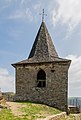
{"x":6,"y":114}
{"x":38,"y":110}
{"x":30,"y":111}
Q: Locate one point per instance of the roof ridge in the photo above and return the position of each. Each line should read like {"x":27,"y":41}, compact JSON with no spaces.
{"x":51,"y":41}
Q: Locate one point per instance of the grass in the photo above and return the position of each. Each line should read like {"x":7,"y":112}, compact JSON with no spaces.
{"x":32,"y":112}
{"x":6,"y":114}
{"x":38,"y":110}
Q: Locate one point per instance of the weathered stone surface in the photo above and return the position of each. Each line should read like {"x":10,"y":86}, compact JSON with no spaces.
{"x":56,"y":90}
{"x":57,"y":117}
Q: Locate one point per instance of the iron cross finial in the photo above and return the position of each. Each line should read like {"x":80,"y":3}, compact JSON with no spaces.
{"x":43,"y":14}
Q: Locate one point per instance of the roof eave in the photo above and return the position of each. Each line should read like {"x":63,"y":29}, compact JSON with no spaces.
{"x":61,"y":61}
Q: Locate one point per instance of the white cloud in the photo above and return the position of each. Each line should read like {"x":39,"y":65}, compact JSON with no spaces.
{"x":37,"y":6}
{"x":10,"y":1}
{"x":6,"y":80}
{"x":75,"y":75}
{"x":67,"y":12}
{"x":22,"y":14}
{"x":24,"y":1}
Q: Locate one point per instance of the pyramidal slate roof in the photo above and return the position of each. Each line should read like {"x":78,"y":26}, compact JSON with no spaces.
{"x":43,"y":49}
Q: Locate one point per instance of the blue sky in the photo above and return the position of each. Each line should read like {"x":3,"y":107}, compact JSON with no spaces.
{"x":19,"y":23}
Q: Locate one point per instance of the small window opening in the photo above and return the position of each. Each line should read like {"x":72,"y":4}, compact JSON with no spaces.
{"x":41,"y":79}
{"x":52,"y":70}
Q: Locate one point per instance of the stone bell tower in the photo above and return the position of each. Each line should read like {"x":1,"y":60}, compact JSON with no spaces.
{"x":43,"y":77}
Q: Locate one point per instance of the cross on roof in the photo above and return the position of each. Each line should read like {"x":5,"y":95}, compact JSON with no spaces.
{"x":43,"y":14}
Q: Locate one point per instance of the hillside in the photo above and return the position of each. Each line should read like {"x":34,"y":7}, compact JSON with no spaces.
{"x":31,"y":111}
{"x":26,"y":111}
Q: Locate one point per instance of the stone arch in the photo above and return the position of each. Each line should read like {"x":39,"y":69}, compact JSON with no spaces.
{"x":41,"y":78}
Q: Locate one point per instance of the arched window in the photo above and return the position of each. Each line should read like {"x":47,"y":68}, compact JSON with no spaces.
{"x":41,"y":79}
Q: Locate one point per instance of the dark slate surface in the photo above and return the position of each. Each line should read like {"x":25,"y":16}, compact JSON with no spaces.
{"x":43,"y":49}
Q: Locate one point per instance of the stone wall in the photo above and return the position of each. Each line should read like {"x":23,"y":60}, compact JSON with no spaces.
{"x":74,"y":109}
{"x":57,"y":117}
{"x":8,"y":96}
{"x":56,"y":90}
